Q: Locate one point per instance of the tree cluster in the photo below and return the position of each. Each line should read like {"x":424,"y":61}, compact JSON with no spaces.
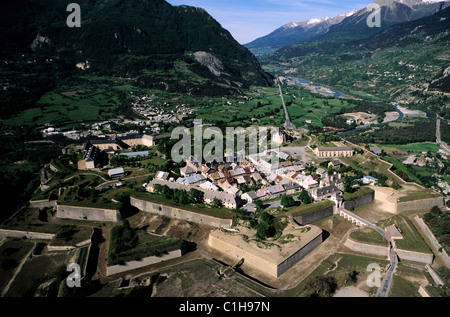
{"x":122,"y":238}
{"x":180,"y":196}
{"x":439,"y":223}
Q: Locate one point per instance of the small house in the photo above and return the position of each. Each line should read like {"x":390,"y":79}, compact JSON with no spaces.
{"x":117,"y":172}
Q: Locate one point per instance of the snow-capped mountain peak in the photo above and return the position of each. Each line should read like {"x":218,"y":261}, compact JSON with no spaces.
{"x":350,"y":13}
{"x":314,"y":21}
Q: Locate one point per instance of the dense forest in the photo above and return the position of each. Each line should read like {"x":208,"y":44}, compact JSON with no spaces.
{"x":22,"y":155}
{"x":439,"y":223}
{"x":150,"y":41}
{"x":415,"y":131}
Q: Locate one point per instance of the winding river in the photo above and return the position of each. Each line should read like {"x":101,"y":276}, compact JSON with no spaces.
{"x":336,"y":94}
{"x":400,"y":118}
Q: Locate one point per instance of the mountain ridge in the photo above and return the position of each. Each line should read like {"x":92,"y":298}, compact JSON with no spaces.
{"x":351,"y":27}
{"x":407,"y":62}
{"x":150,"y":41}
{"x":294,"y":32}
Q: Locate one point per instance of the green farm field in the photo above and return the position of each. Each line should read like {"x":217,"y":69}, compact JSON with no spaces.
{"x":414,"y":147}
{"x":89,"y":99}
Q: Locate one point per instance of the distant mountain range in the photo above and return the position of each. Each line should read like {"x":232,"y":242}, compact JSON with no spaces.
{"x":345,"y":27}
{"x":292,"y":33}
{"x":157,"y":45}
{"x":406,"y":62}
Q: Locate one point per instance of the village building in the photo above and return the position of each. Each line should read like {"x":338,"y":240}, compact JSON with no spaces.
{"x":187,"y":171}
{"x":134,"y":154}
{"x":94,"y":157}
{"x":228,"y":200}
{"x":322,"y":193}
{"x":250,"y":197}
{"x":117,"y":172}
{"x":334,"y":152}
{"x":162,"y":175}
{"x":261,"y":193}
{"x":321,"y":172}
{"x":292,"y":188}
{"x":209,"y":185}
{"x":307,"y":182}
{"x":333,"y":180}
{"x":369,"y":180}
{"x":126,"y":141}
{"x":335,"y":164}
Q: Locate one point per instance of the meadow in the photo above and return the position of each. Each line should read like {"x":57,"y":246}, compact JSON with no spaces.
{"x":413,"y":147}
{"x":88,"y":99}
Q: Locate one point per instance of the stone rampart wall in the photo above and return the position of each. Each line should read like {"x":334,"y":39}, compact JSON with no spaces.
{"x":237,"y":253}
{"x":365,"y":199}
{"x":133,"y":265}
{"x":414,"y":256}
{"x":42,"y":203}
{"x":367,"y":248}
{"x":435,"y":243}
{"x":176,"y":213}
{"x":54,"y":248}
{"x":291,"y":261}
{"x":436,"y":278}
{"x":88,"y":213}
{"x":421,"y":204}
{"x":26,"y":234}
{"x":259,"y":262}
{"x":315,"y":216}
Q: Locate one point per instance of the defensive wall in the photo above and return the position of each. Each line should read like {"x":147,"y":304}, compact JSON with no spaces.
{"x":180,"y":214}
{"x":315,"y":216}
{"x":367,"y":248}
{"x":26,"y":234}
{"x":55,"y":248}
{"x":300,"y":254}
{"x":421,"y":204}
{"x":42,"y":203}
{"x":390,"y":202}
{"x":415,"y":256}
{"x":271,"y":261}
{"x":359,"y":201}
{"x":434,"y":242}
{"x":133,"y":265}
{"x":227,"y":247}
{"x":436,"y":278}
{"x":88,"y":213}
{"x":405,"y":255}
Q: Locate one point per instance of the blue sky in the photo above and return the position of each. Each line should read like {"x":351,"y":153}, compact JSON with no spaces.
{"x":250,"y":19}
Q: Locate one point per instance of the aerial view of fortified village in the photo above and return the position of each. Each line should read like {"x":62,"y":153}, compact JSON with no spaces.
{"x":197,"y":167}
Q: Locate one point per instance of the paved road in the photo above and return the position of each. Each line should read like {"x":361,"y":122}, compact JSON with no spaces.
{"x":438,"y":129}
{"x":298,"y":151}
{"x":386,"y":283}
{"x":383,"y":291}
{"x":288,"y":124}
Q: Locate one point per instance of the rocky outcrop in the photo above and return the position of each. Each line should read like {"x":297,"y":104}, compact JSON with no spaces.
{"x":214,"y":64}
{"x":39,"y":42}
